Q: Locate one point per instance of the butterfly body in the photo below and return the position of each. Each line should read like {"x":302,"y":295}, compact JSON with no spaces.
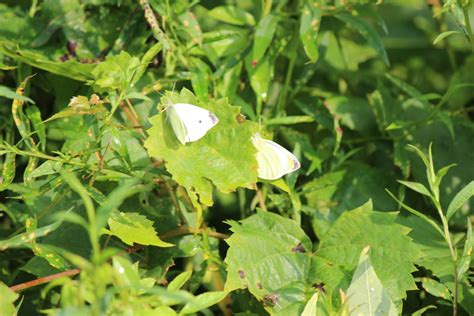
{"x":190,"y":122}
{"x":274,"y":161}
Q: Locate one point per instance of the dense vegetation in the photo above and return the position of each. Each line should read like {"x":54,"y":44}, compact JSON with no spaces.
{"x":104,"y":212}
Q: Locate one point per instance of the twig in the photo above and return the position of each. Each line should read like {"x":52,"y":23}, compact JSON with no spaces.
{"x":134,"y":248}
{"x":46,"y":279}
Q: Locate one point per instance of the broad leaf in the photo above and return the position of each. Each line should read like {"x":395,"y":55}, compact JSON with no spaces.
{"x":270,"y":256}
{"x":392,"y":251}
{"x":224,"y":157}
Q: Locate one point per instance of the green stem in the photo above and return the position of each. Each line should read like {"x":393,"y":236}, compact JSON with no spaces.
{"x":447,"y":236}
{"x":284,"y":91}
{"x":470,"y":33}
{"x":267,"y":7}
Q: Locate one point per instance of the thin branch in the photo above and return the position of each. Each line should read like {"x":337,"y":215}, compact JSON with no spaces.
{"x":134,"y":248}
{"x":46,"y":279}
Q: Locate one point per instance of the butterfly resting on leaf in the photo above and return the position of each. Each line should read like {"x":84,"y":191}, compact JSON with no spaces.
{"x":190,"y":122}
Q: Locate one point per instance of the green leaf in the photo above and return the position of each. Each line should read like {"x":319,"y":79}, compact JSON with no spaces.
{"x":200,"y":74}
{"x":232,"y":15}
{"x":116,"y":72}
{"x":465,"y":259}
{"x":34,"y":115}
{"x":203,"y":301}
{"x":289,"y":120}
{"x":311,"y":307}
{"x":366,"y":294}
{"x":146,"y":59}
{"x":7,"y":298}
{"x":460,"y":199}
{"x":261,"y":74}
{"x":270,"y":256}
{"x":392,"y":251}
{"x":435,"y":288}
{"x":367,"y":31}
{"x":24,"y":240}
{"x":309,"y":29}
{"x":180,"y":280}
{"x":444,"y":35}
{"x":418,"y":187}
{"x":71,"y":69}
{"x":264,"y":33}
{"x":134,"y":228}
{"x":224,"y":157}
{"x":10,"y":94}
{"x":422,"y":310}
{"x":8,"y":171}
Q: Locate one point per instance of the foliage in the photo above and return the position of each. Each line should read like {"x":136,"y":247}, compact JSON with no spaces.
{"x":104,"y":212}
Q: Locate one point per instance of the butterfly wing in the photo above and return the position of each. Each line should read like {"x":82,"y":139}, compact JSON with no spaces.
{"x":274,"y":161}
{"x":196,"y":121}
{"x":177,"y":124}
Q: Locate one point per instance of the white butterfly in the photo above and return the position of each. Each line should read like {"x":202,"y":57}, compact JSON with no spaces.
{"x":273,"y":160}
{"x":190,"y":122}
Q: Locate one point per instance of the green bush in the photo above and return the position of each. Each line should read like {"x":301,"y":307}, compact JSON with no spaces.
{"x":104,"y":211}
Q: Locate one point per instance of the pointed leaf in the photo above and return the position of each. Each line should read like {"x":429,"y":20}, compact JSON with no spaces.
{"x":367,"y":31}
{"x":461,"y":197}
{"x":465,"y":260}
{"x":134,"y":228}
{"x":435,"y":288}
{"x":7,"y":297}
{"x":309,"y":29}
{"x":418,"y":187}
{"x":366,"y":294}
{"x":180,"y":280}
{"x":311,"y":307}
{"x":263,"y":35}
{"x":203,"y":301}
{"x":232,"y":15}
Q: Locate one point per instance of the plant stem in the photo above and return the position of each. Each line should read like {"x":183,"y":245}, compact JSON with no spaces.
{"x":46,"y":279}
{"x":447,"y":236}
{"x":470,"y":33}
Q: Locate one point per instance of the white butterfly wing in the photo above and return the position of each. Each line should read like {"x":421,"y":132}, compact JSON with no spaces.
{"x":196,"y":121}
{"x":274,"y":161}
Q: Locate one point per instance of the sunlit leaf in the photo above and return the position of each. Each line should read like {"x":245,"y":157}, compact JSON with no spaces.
{"x":134,"y":228}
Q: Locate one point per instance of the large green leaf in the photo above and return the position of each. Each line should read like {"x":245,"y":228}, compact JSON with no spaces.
{"x":392,"y":251}
{"x":270,"y":256}
{"x":224,"y":157}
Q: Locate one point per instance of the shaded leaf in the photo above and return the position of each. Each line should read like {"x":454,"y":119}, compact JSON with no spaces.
{"x":309,"y":29}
